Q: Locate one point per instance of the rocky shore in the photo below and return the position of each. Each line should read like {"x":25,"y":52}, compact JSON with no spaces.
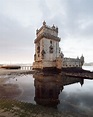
{"x":77,"y":72}
{"x":71,"y":72}
{"x":13,"y":108}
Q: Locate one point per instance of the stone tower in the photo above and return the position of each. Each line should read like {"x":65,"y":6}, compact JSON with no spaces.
{"x":47,"y":51}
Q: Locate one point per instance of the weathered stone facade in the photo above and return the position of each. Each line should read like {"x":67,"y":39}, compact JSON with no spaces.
{"x":72,"y":62}
{"x":47,"y":51}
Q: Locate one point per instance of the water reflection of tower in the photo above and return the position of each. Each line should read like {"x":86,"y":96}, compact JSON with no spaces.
{"x":47,"y":90}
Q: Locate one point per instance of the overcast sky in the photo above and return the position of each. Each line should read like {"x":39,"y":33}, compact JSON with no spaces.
{"x":19,"y":20}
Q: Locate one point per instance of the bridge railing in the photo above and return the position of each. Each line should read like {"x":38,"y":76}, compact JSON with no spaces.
{"x":26,"y":67}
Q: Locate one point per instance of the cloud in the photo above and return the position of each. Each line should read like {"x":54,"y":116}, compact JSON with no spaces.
{"x":19,"y":19}
{"x":79,"y":12}
{"x":15,"y":40}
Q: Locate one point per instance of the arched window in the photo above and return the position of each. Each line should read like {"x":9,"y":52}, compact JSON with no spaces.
{"x":50,"y":42}
{"x":42,"y":53}
{"x":51,"y":49}
{"x":38,"y":49}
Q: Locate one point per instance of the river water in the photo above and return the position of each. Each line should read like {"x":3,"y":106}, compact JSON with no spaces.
{"x":63,"y":93}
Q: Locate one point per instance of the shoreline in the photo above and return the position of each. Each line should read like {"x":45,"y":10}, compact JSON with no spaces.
{"x":71,"y":72}
{"x":12,"y":71}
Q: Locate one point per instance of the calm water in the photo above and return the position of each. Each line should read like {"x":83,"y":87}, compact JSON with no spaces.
{"x":63,"y":93}
{"x":88,"y":68}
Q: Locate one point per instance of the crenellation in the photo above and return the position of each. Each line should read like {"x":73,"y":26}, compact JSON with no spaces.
{"x":47,"y":29}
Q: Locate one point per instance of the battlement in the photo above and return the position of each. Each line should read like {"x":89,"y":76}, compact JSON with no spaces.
{"x":47,"y":29}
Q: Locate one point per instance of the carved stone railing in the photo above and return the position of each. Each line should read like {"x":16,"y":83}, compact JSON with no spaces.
{"x":48,"y":36}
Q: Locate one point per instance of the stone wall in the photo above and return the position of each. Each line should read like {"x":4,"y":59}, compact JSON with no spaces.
{"x":72,"y":62}
{"x":44,"y":64}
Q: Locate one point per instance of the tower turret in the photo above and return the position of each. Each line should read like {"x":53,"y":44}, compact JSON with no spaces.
{"x":82,"y":60}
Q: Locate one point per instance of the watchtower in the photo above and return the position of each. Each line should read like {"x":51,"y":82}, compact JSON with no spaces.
{"x":47,"y":50}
